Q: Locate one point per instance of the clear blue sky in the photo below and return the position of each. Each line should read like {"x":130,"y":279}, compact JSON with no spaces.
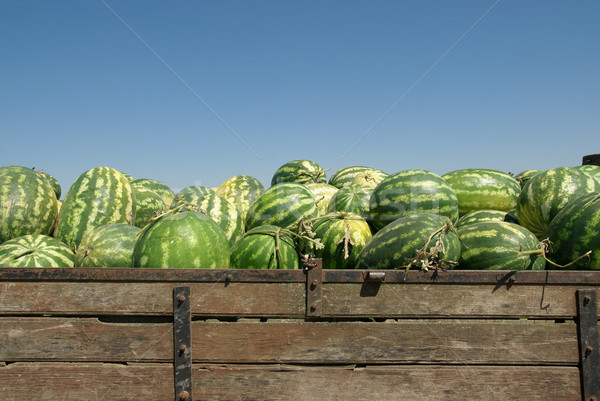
{"x":194,"y":92}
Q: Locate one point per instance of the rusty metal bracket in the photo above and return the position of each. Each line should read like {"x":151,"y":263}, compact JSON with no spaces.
{"x":589,"y":344}
{"x":314,"y":287}
{"x":182,"y":343}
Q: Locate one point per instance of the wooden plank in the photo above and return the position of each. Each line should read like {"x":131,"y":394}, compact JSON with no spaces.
{"x":86,"y":381}
{"x":449,"y":300}
{"x":411,"y":341}
{"x":388,"y":383}
{"x":451,"y":342}
{"x":122,"y":298}
{"x":56,"y":381}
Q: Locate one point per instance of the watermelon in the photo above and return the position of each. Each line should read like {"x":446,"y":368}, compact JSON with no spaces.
{"x":352,"y":199}
{"x":110,"y":245}
{"x":591,"y":169}
{"x":100,"y":196}
{"x":322,"y":193}
{"x":486,"y":215}
{"x":241,"y":190}
{"x":160,"y":188}
{"x":421,"y":240}
{"x":148,"y":204}
{"x":282,"y":205}
{"x":187,"y":239}
{"x":344,"y":176}
{"x":28,"y":204}
{"x":499,"y":245}
{"x":545,"y":194}
{"x":53,"y":182}
{"x":574,"y":231}
{"x":478,"y":188}
{"x":525,"y":176}
{"x":35,"y":250}
{"x":225,"y":214}
{"x":192,"y":194}
{"x":412,"y":191}
{"x":343,"y":236}
{"x":265,"y":247}
{"x":299,"y":171}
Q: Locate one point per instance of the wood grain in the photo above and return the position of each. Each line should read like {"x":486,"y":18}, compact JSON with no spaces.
{"x":55,"y":381}
{"x":408,"y":341}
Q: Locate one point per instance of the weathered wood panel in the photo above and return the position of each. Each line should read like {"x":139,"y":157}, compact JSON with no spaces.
{"x":147,"y":298}
{"x":449,"y":300}
{"x":55,"y":381}
{"x":409,"y":341}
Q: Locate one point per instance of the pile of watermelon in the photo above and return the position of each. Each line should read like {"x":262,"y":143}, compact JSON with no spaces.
{"x":358,"y":218}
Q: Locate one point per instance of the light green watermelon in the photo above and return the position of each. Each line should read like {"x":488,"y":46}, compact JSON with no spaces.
{"x":35,"y":250}
{"x":110,"y":245}
{"x":100,"y":196}
{"x":343,"y":236}
{"x":182,"y":240}
{"x":28,"y":204}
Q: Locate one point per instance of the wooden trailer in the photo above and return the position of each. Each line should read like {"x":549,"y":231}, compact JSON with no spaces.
{"x":311,"y":334}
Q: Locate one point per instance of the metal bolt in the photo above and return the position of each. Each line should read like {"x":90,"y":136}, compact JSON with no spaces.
{"x":313,"y":307}
{"x":588,"y":351}
{"x":181,"y":298}
{"x":229,"y":277}
{"x":182,"y":348}
{"x":314,"y":283}
{"x":184,"y":395}
{"x":586,"y":300}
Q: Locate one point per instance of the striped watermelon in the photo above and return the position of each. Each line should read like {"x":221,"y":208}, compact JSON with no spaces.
{"x":107,"y":246}
{"x":478,"y":188}
{"x":53,"y":182}
{"x":100,"y":196}
{"x":192,"y":194}
{"x":591,"y":169}
{"x":160,"y":188}
{"x":343,"y":235}
{"x":182,"y":240}
{"x":322,"y":193}
{"x":299,"y":171}
{"x":148,"y":204}
{"x":486,"y":215}
{"x":412,"y":191}
{"x":352,"y":199}
{"x":265,"y":247}
{"x":241,"y":190}
{"x":574,"y":231}
{"x":35,"y":250}
{"x":282,"y":205}
{"x":545,"y":194}
{"x":225,"y":214}
{"x":28,"y":204}
{"x":344,"y":176}
{"x":499,"y":245}
{"x":525,"y":176}
{"x":421,"y":240}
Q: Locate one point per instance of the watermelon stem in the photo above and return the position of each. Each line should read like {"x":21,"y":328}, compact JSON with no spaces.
{"x":546,"y":246}
{"x":429,"y":258}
